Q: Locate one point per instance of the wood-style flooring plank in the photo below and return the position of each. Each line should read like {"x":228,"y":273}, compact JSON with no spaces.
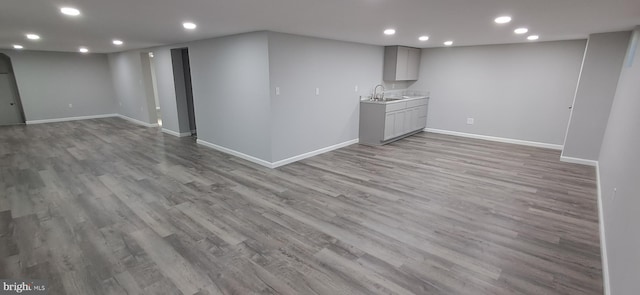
{"x":108,"y":207}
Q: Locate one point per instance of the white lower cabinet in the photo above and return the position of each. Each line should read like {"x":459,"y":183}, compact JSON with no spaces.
{"x":389,"y":125}
{"x":399,"y":119}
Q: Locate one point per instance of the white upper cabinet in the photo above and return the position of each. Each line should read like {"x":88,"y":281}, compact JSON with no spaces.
{"x":401,"y":63}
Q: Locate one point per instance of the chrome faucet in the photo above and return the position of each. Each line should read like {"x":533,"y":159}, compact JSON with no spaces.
{"x":374,"y":96}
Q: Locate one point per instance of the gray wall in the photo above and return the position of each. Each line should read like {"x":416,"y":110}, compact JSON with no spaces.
{"x":148,"y":84}
{"x":128,"y":82}
{"x":5,"y":67}
{"x":594,"y":96}
{"x":127,"y":69}
{"x":234,"y":80}
{"x":516,"y":91}
{"x":303,"y":122}
{"x":49,"y":81}
{"x":180,"y":91}
{"x":620,"y":169}
{"x":166,"y":88}
{"x":230,"y":78}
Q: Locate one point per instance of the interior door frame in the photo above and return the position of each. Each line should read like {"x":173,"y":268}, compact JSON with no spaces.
{"x":14,"y":84}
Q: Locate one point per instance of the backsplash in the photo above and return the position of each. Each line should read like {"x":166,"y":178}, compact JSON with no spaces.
{"x":399,"y":93}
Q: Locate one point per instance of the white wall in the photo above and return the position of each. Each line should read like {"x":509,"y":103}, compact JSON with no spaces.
{"x":230,"y":77}
{"x":49,"y":81}
{"x":303,"y":121}
{"x":594,"y":96}
{"x":619,"y":164}
{"x":515,"y":91}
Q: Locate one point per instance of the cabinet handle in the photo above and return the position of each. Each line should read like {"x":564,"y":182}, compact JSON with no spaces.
{"x":10,"y":103}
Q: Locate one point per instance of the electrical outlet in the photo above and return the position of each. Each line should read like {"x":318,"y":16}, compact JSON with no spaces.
{"x":317,"y":91}
{"x":120,"y":103}
{"x":393,"y":85}
{"x":277,"y":90}
{"x":70,"y":105}
{"x":470,"y":121}
{"x":356,"y":89}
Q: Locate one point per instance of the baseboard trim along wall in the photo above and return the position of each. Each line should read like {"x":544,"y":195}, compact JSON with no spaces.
{"x":603,"y":240}
{"x":277,"y":163}
{"x":32,"y":122}
{"x":138,"y":121}
{"x":314,"y":153}
{"x":235,"y":153}
{"x":579,"y":161}
{"x":176,"y":134}
{"x":498,"y":139}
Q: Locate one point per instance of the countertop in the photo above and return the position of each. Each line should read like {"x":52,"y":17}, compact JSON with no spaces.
{"x":404,"y":98}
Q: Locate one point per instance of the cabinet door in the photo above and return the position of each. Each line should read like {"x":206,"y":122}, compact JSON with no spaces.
{"x":401,"y":65}
{"x":414,"y":123}
{"x":399,"y":120}
{"x":389,"y":125}
{"x":413,"y":63}
{"x":407,"y":127}
{"x":422,"y":116}
{"x":422,"y":111}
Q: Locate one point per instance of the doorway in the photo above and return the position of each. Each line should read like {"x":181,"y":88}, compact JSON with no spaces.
{"x":184,"y":91}
{"x":150,"y":87}
{"x":11,"y":112}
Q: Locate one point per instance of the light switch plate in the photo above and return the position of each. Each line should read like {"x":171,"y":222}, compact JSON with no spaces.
{"x":470,"y":121}
{"x":317,"y":91}
{"x":277,"y":90}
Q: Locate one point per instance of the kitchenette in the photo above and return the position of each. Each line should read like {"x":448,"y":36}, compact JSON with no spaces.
{"x":387,"y":116}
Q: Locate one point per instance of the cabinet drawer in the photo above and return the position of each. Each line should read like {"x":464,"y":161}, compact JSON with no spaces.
{"x":417,"y":102}
{"x":396,"y":106}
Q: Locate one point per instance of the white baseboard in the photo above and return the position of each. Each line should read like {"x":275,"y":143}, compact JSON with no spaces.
{"x":176,"y":134}
{"x":138,"y":121}
{"x":498,"y":139}
{"x":603,"y":240}
{"x":314,"y":153}
{"x":278,"y":163}
{"x":70,"y":119}
{"x":579,"y":161}
{"x":235,"y":153}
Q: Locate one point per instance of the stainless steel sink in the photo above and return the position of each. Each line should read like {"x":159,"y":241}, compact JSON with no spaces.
{"x":392,"y":99}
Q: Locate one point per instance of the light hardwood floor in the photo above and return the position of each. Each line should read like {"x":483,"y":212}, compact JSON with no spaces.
{"x":107,"y":207}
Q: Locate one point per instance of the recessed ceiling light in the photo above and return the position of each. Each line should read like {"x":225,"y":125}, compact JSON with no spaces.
{"x":83,"y":49}
{"x":503,"y":19}
{"x":448,"y":43}
{"x":533,"y":37}
{"x":70,"y":11}
{"x":520,"y":31}
{"x":17,"y":46}
{"x":189,"y":26}
{"x":389,"y":31}
{"x":423,"y":38}
{"x":117,"y":42}
{"x":33,"y":37}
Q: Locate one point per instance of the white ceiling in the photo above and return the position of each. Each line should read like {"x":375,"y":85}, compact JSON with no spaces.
{"x":147,"y":23}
